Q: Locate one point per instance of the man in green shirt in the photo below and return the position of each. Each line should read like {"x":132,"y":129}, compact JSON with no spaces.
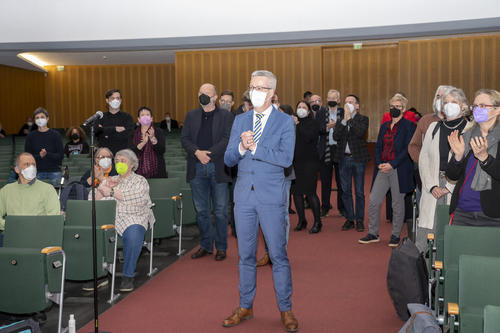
{"x":28,"y":196}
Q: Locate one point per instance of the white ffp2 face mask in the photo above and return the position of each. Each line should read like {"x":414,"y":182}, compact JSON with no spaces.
{"x":349,"y":107}
{"x":41,"y":122}
{"x":437,"y":105}
{"x":258,"y":98}
{"x":115,"y":104}
{"x":105,"y":163}
{"x":451,"y":110}
{"x":29,"y":173}
{"x":301,"y":113}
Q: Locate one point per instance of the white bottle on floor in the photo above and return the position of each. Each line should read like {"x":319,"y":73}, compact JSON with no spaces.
{"x":71,"y":324}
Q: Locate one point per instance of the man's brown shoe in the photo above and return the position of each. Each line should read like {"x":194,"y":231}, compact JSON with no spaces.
{"x":265,"y":260}
{"x":290,"y":324}
{"x":200,"y":253}
{"x":238,"y":315}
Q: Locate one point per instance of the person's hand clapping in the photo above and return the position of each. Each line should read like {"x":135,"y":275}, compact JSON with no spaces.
{"x":457,"y":145}
{"x":43,"y":153}
{"x":246,"y":139}
{"x":479,"y":147}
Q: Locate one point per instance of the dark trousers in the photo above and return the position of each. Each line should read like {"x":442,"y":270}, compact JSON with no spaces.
{"x":325,"y":173}
{"x":474,"y":219}
{"x":349,"y":170}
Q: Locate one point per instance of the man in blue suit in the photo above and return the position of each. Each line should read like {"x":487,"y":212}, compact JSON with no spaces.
{"x":262,"y":144}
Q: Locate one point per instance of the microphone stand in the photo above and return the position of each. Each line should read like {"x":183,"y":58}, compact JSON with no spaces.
{"x":94,"y":225}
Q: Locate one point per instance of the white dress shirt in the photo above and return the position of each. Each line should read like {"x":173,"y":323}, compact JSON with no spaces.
{"x":263,"y":121}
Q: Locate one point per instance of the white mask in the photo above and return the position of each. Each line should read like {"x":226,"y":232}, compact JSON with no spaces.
{"x":451,"y":110}
{"x":301,"y":113}
{"x":41,"y":122}
{"x":29,"y":173}
{"x":105,"y":163}
{"x":115,"y":104}
{"x":258,"y":98}
{"x":276,"y":106}
{"x":349,"y":107}
{"x":29,"y":123}
{"x":437,"y":105}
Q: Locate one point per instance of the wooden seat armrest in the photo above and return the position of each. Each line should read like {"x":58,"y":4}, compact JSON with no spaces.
{"x":51,"y":249}
{"x":438,"y":264}
{"x":453,"y":309}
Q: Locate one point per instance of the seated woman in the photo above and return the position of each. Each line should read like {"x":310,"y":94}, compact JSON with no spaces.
{"x":133,"y":210}
{"x":306,"y":166}
{"x":393,"y":170}
{"x":103,"y":168}
{"x":475,"y":165}
{"x":149,"y":146}
{"x":434,"y":156}
{"x":76,"y":144}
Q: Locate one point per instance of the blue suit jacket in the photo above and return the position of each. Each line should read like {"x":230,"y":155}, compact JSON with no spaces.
{"x":402,"y":162}
{"x":264,"y":170}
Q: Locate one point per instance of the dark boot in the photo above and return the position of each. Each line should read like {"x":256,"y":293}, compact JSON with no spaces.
{"x":316,"y":227}
{"x":301,"y":225}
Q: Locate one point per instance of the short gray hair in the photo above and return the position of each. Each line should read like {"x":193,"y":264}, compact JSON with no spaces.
{"x":268,"y":74}
{"x":332,"y":91}
{"x":18,"y":158}
{"x":457,"y":94}
{"x":130,"y":156}
{"x":444,"y":88}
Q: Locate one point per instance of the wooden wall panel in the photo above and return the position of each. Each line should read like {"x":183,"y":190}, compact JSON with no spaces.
{"x":297,"y":69}
{"x":370,"y":73}
{"x":21,"y":92}
{"x":469,"y":63}
{"x":78,"y":92}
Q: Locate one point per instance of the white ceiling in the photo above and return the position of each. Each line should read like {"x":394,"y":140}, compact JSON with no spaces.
{"x":63,"y":32}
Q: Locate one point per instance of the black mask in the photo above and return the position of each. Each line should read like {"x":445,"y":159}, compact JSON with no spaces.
{"x":75,"y":136}
{"x":395,"y":112}
{"x":204,"y":99}
{"x":332,"y":104}
{"x":315,"y":107}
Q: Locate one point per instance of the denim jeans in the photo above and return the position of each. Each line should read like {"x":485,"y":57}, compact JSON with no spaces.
{"x":54,"y":177}
{"x":206,"y":190}
{"x":133,"y":238}
{"x":350,"y":169}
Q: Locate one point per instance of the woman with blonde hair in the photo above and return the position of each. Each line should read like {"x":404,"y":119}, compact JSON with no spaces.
{"x":475,"y":165}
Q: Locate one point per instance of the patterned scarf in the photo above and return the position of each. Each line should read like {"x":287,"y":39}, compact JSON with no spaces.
{"x":148,"y":161}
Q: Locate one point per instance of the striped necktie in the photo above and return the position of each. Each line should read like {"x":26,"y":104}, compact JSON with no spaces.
{"x":257,"y":127}
{"x":327,"y":145}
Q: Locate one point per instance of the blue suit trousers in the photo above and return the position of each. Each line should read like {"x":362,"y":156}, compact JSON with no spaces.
{"x":248,"y":215}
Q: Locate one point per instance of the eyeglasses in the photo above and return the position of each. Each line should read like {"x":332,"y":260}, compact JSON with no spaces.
{"x":258,"y":88}
{"x":101,"y":157}
{"x":482,"y":106}
{"x":318,"y":101}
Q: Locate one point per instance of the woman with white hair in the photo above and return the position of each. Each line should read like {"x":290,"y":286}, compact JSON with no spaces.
{"x":433,"y":161}
{"x":424,"y":123}
{"x":133,"y":210}
{"x":475,"y":165}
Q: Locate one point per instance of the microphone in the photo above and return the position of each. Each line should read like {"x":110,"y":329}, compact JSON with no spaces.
{"x":98,"y":115}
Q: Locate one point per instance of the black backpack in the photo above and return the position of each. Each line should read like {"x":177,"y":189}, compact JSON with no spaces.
{"x":73,"y":191}
{"x":407,"y":277}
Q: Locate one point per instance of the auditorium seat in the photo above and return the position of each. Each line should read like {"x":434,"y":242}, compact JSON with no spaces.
{"x":32,"y":264}
{"x":477,"y":287}
{"x":462,"y":240}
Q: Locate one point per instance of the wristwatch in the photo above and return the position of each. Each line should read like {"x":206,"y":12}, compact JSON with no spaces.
{"x":112,"y":192}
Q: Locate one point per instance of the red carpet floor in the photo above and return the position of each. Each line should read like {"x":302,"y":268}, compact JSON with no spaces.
{"x":339,"y":286}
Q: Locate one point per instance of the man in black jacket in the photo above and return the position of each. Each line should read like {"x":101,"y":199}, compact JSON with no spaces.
{"x":115,"y":129}
{"x":327,"y":118}
{"x":352,"y":156}
{"x":168,"y":123}
{"x":205,"y":135}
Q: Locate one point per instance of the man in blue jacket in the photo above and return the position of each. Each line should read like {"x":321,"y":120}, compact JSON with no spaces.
{"x":262,"y":143}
